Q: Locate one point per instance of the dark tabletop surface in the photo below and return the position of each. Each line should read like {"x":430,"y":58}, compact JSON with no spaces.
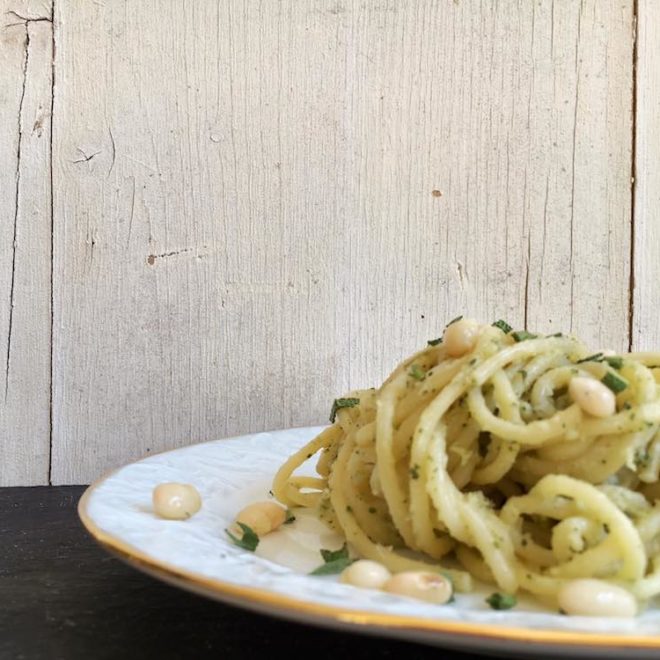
{"x":62,"y":597}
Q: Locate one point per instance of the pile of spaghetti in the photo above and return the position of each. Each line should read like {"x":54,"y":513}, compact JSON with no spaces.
{"x":475,"y":458}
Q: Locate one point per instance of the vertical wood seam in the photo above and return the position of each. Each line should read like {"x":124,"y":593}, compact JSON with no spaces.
{"x":633,"y":175}
{"x":52,"y":247}
{"x":575,"y":128}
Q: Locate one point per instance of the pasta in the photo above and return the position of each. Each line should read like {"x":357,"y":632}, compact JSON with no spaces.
{"x":515,"y":459}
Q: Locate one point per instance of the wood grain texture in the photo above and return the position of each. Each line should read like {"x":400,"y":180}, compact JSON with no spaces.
{"x":581,"y":161}
{"x":25,"y":241}
{"x":245,"y":216}
{"x":646,"y":321}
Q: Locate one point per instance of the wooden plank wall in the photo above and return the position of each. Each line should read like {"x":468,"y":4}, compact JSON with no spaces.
{"x":646,"y":284}
{"x":26,"y":56}
{"x":257,"y":206}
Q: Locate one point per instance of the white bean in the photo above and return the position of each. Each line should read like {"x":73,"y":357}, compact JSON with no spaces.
{"x":176,"y":501}
{"x":591,"y":597}
{"x":422,"y":585}
{"x":262,"y":517}
{"x":365,"y":573}
{"x":460,"y":337}
{"x":592,"y":396}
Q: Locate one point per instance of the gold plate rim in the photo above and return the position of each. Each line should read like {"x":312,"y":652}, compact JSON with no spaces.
{"x":265,"y":599}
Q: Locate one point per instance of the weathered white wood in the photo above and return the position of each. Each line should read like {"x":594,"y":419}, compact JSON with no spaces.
{"x":261,"y":204}
{"x":25,"y":241}
{"x":577,"y":176}
{"x":646,"y":320}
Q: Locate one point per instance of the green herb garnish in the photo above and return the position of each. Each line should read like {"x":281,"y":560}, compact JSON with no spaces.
{"x":249,"y":540}
{"x":458,"y":318}
{"x":499,"y":601}
{"x":332,"y":567}
{"x":417,"y":372}
{"x":414,"y":471}
{"x":335,"y":561}
{"x":614,"y":361}
{"x":334,"y":555}
{"x":522,"y":335}
{"x":338,"y":404}
{"x":503,"y":326}
{"x":596,"y":357}
{"x":289,"y":517}
{"x":614,"y":382}
{"x":434,"y":342}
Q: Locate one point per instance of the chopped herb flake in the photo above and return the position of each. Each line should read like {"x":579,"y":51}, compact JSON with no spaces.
{"x":333,"y":555}
{"x":522,"y":335}
{"x":458,"y":318}
{"x":414,"y":471}
{"x":614,"y":361}
{"x":417,"y":372}
{"x":333,"y":567}
{"x":499,"y":601}
{"x":434,"y":342}
{"x":503,"y":326}
{"x":335,"y":561}
{"x":249,"y":540}
{"x":614,"y":382}
{"x":596,"y":357}
{"x":289,"y":517}
{"x":338,"y":404}
{"x":557,"y":334}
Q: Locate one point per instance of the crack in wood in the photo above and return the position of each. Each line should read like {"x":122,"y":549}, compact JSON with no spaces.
{"x":114,"y":155}
{"x":85,"y":158}
{"x":633,"y":177}
{"x":151,"y":259}
{"x":24,"y":20}
{"x":575,"y":126}
{"x":130,"y":221}
{"x":16,"y":209}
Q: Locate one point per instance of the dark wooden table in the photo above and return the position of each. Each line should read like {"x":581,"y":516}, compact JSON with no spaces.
{"x":64,"y":598}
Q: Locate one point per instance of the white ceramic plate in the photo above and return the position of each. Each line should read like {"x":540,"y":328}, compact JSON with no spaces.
{"x":196,"y":555}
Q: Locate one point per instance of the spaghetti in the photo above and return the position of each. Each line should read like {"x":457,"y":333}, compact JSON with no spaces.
{"x":475,"y":458}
